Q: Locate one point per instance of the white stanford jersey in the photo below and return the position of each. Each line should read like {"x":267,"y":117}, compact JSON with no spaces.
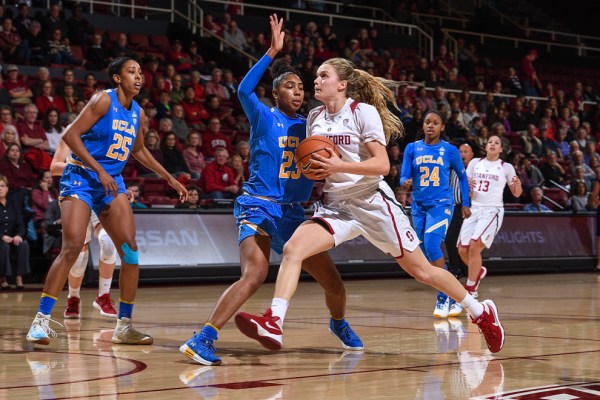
{"x":489,"y":178}
{"x":350,"y":129}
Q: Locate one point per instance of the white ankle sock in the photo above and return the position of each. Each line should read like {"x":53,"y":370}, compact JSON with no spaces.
{"x":279,"y":307}
{"x":104,"y":285}
{"x":73,"y":292}
{"x":473,"y":307}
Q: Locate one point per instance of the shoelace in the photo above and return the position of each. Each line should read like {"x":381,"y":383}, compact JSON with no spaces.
{"x":208,"y":342}
{"x":45,"y":326}
{"x":104,"y":300}
{"x":347,"y":333}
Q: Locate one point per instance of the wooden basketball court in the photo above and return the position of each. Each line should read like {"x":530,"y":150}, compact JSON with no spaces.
{"x":552,"y":348}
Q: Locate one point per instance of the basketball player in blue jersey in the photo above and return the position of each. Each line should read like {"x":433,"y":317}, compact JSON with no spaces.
{"x":101,"y":139}
{"x":268,"y":212}
{"x":426,"y":166}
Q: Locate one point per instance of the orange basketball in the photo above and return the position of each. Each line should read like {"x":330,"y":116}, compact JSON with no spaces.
{"x":309,"y":146}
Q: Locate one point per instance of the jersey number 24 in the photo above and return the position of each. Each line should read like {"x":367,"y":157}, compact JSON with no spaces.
{"x":430,"y":175}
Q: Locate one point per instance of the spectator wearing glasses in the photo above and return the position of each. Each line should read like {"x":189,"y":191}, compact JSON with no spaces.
{"x":6,"y":116}
{"x":48,"y":99}
{"x":218,"y":179}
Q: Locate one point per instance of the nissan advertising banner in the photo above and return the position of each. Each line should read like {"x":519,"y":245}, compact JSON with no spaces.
{"x":195,"y":240}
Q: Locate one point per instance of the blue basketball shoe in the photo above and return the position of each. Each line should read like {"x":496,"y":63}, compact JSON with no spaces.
{"x":200,"y":349}
{"x":349,"y":339}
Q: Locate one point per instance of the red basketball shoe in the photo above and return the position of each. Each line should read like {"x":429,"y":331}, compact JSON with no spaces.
{"x":104,"y":304}
{"x":72,"y":310}
{"x":265,"y":329}
{"x":489,"y":324}
{"x":473,"y":289}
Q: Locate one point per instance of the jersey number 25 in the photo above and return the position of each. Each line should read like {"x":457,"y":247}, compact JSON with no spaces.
{"x":120,"y":149}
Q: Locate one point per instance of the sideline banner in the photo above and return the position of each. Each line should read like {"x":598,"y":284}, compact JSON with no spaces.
{"x":196,"y":240}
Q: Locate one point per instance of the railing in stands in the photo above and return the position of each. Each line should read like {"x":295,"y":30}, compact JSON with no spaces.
{"x":581,"y":49}
{"x":376,"y":13}
{"x":542,"y":33}
{"x":424,"y":39}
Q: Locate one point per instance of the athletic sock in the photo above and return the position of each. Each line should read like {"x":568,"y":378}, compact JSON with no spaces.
{"x":74,"y":292}
{"x":104,"y":286}
{"x":47,"y":303}
{"x":279,"y":307}
{"x":472,"y":306}
{"x":125,"y":309}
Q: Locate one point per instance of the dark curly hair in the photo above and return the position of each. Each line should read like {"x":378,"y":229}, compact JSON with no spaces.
{"x":280,"y":69}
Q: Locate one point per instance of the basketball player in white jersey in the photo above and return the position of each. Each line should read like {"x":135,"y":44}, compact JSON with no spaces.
{"x":487,"y":178}
{"x":359,"y":202}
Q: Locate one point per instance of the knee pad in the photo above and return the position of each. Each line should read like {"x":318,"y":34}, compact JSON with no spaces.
{"x":78,"y":269}
{"x":129,"y":256}
{"x":108,"y":251}
{"x":432,"y":243}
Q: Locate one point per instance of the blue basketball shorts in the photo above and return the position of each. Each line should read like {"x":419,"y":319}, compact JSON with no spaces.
{"x":83,"y":184}
{"x":256,"y":216}
{"x":431,"y":219}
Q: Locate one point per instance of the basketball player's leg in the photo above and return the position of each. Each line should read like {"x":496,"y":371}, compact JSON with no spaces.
{"x":106,"y":267}
{"x":322,"y":268}
{"x":74,"y":281}
{"x":254,"y":262}
{"x":75,"y":214}
{"x":117,"y":219}
{"x":476,"y":246}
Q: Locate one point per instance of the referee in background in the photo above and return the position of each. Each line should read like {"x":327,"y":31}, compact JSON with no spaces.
{"x":455,"y":264}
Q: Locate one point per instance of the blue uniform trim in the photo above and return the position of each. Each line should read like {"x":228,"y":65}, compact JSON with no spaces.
{"x":129,"y":256}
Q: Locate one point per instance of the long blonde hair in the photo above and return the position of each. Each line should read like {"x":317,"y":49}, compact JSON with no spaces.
{"x":376,"y":91}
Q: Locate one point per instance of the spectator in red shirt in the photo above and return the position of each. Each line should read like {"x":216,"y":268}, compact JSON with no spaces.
{"x":19,"y":173}
{"x":31,"y":131}
{"x":529,"y":76}
{"x":213,"y":138}
{"x":48,"y":99}
{"x":179,"y":58}
{"x":12,"y":47}
{"x":215,"y":86}
{"x":43,"y":193}
{"x":195,"y":77}
{"x":90,"y":86}
{"x":19,"y":91}
{"x":195,"y":113}
{"x":217,"y":178}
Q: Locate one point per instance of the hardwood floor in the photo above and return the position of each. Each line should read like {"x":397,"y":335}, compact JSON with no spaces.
{"x":552,"y":346}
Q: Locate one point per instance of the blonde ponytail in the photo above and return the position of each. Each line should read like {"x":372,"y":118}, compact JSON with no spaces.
{"x":366,"y":88}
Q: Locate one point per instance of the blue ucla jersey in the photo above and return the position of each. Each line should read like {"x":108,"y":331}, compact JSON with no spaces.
{"x":429,"y":167}
{"x":111,"y":138}
{"x":274,"y":138}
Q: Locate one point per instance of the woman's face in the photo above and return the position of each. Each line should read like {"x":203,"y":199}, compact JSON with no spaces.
{"x":290,"y":94}
{"x":53,"y":118}
{"x":14,"y":153}
{"x":193,"y":196}
{"x":152,"y":139}
{"x":194,"y":140}
{"x":236,"y":163}
{"x":9,"y":136}
{"x":493,"y":147}
{"x":47,"y":177}
{"x":244,"y":150}
{"x":433,"y":127}
{"x":170,"y":141}
{"x":327,"y":83}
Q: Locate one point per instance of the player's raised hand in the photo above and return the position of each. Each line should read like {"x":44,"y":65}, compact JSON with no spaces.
{"x":277,"y":33}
